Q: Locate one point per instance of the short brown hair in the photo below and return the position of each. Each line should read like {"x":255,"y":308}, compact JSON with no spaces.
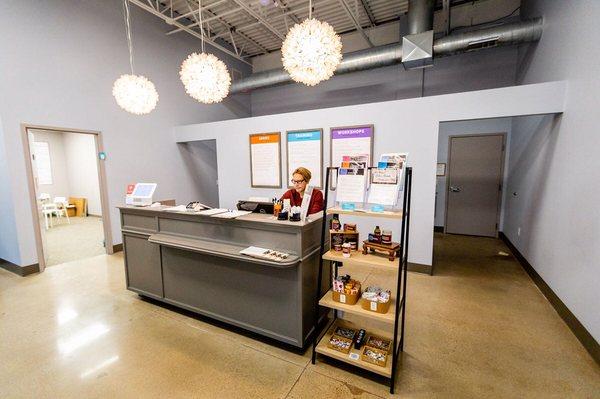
{"x":304,"y":172}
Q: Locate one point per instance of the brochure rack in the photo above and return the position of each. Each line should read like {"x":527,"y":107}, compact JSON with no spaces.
{"x":394,"y":318}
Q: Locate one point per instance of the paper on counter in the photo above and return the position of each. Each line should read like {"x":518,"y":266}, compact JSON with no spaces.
{"x":231,"y":214}
{"x":214,"y":211}
{"x":178,"y":208}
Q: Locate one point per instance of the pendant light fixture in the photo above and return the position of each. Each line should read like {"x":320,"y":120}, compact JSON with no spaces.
{"x":134,"y":93}
{"x":204,"y":76}
{"x":311,"y":51}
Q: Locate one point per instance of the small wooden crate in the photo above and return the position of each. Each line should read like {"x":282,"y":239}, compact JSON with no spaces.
{"x":344,"y":236}
{"x":374,"y":356}
{"x":344,"y":348}
{"x":382,"y":344}
{"x":374,"y":306}
{"x":390,"y":249}
{"x":348,"y":299}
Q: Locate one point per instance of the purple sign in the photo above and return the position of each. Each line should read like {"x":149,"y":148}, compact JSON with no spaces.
{"x":352,"y":132}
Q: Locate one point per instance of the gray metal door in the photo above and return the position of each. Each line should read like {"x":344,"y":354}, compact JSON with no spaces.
{"x":474,"y":184}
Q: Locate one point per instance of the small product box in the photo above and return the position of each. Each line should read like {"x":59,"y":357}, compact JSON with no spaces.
{"x":339,"y":343}
{"x":349,"y":299}
{"x":379,"y":343}
{"x":376,"y":299}
{"x":346,"y":290}
{"x":374,"y":356}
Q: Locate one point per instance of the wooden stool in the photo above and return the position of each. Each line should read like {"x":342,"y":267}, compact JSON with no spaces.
{"x":390,"y":249}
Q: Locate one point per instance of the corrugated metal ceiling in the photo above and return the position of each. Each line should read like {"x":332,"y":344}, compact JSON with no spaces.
{"x":257,"y":27}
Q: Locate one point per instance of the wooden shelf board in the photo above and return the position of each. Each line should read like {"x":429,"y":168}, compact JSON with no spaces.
{"x":388,"y":318}
{"x":357,"y":258}
{"x":345,"y":357}
{"x":364,"y":212}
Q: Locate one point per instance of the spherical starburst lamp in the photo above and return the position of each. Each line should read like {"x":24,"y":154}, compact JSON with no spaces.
{"x":205,"y":78}
{"x":311,"y":51}
{"x":135,"y":94}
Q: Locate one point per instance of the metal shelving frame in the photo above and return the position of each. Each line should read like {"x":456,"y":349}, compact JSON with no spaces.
{"x":401,"y":279}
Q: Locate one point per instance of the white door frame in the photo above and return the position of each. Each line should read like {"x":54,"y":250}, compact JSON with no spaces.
{"x":25,"y":127}
{"x":499,"y":211}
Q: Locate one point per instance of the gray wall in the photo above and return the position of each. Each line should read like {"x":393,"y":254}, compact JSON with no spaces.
{"x":484,"y":69}
{"x":557,"y":207}
{"x":410,"y":125}
{"x":59,"y":61}
{"x":200,"y":158}
{"x":447,"y":129}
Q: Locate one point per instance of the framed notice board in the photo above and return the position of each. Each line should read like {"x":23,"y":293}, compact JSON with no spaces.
{"x":265,"y":160}
{"x":351,"y":140}
{"x":305,"y":148}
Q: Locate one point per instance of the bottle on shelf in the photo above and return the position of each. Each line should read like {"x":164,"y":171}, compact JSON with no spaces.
{"x":335,"y":222}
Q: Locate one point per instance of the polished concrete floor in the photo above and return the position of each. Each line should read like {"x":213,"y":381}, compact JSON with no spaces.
{"x":478,"y":328}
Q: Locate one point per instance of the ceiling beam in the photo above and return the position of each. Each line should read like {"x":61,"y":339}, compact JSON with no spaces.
{"x":356,"y":22}
{"x":368,"y":11}
{"x":260,"y":19}
{"x":285,"y":10}
{"x":187,"y":14}
{"x":207,"y":19}
{"x":168,"y":20}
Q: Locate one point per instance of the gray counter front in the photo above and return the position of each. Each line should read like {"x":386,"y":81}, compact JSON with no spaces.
{"x":193,"y":261}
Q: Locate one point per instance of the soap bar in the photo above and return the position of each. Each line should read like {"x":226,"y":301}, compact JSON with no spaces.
{"x":360,"y":339}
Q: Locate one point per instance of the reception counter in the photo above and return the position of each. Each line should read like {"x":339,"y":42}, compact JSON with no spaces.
{"x":193,"y":261}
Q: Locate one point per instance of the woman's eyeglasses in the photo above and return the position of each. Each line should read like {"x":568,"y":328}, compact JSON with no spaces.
{"x":297,"y":181}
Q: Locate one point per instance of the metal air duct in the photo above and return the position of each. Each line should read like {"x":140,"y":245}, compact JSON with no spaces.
{"x":420,"y":16}
{"x":376,"y":57}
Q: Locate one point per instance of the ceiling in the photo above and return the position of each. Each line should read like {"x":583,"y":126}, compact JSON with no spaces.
{"x":255,"y":27}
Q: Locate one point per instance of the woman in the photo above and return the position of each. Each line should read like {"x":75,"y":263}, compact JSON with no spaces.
{"x":300,"y":179}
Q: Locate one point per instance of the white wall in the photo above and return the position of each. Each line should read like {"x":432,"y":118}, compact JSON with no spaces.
{"x":59,"y":61}
{"x":447,"y":129}
{"x":82,"y":170}
{"x":560,"y":235}
{"x":9,"y":244}
{"x":58,"y":161}
{"x":404,"y":125}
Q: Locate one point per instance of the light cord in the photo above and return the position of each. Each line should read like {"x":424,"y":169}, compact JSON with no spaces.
{"x":200,"y":21}
{"x":128,"y":31}
{"x":309,"y":9}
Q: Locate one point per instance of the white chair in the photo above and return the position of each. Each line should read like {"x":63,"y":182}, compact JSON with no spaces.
{"x":61,"y":204}
{"x":49,"y":210}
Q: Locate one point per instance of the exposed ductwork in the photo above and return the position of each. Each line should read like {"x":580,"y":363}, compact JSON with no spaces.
{"x":420,"y":16}
{"x":376,"y":57}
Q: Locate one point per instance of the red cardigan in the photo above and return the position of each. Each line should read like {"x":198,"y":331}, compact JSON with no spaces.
{"x":316,"y":200}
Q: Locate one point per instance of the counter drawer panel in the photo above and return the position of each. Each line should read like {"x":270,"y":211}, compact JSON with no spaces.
{"x":142,"y":263}
{"x":260,"y":298}
{"x":139,"y":222}
{"x":221,"y":230}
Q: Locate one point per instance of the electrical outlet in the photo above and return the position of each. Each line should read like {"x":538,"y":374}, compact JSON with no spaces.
{"x":519,"y":232}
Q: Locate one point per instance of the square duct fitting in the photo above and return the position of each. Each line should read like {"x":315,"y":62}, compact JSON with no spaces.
{"x":417,"y":50}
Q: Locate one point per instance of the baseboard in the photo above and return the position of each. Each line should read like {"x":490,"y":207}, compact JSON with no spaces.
{"x":420,"y":268}
{"x":438,"y":229}
{"x":117,"y":248}
{"x":19,"y":270}
{"x":582,"y":334}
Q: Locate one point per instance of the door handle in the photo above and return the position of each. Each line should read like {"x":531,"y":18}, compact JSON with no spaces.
{"x":454,"y":189}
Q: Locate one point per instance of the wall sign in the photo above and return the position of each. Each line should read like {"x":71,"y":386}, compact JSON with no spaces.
{"x":351,"y":141}
{"x":305,"y":148}
{"x":265,"y":160}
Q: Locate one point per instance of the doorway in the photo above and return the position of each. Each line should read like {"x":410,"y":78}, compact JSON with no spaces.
{"x":67,"y":187}
{"x":474,"y":184}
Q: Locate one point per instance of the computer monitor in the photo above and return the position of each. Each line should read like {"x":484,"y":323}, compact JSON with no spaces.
{"x":142,"y":194}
